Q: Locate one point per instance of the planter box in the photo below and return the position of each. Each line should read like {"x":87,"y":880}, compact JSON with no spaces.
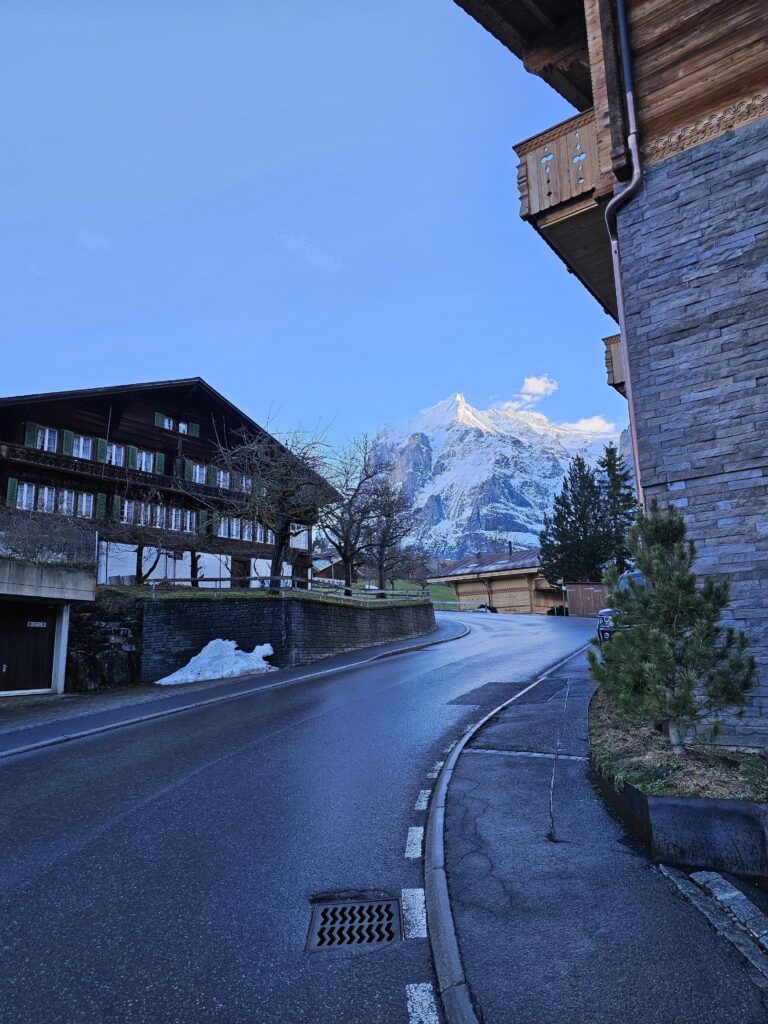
{"x":687,"y":832}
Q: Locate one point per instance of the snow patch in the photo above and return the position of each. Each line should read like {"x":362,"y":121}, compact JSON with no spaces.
{"x":221,"y":659}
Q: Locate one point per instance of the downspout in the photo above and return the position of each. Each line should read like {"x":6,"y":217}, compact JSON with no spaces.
{"x":620,"y":199}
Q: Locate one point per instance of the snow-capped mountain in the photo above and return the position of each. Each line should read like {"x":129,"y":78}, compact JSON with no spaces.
{"x":481,"y":478}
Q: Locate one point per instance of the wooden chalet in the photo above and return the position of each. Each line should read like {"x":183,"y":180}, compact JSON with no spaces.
{"x":506,"y":583}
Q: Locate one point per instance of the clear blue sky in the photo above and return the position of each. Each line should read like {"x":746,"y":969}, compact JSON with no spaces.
{"x":310,"y":203}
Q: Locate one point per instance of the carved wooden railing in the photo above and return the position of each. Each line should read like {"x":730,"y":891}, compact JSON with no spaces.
{"x":558,"y":165}
{"x":614,"y":362}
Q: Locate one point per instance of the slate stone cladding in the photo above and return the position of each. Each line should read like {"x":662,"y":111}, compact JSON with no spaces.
{"x":694,"y":246}
{"x":300,"y":630}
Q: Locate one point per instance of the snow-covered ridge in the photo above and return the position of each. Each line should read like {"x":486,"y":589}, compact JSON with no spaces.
{"x":481,"y":478}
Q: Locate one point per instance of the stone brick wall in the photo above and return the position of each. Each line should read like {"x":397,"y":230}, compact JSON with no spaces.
{"x":104,"y":642}
{"x":300,"y":630}
{"x":694,"y":246}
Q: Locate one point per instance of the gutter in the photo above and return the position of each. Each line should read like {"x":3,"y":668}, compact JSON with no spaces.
{"x":620,"y":198}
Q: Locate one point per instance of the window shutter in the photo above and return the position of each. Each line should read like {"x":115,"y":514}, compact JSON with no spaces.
{"x":101,"y":505}
{"x":10,"y":493}
{"x":194,"y":429}
{"x":187,"y":469}
{"x":202,"y":521}
{"x":67,"y":437}
{"x":159,"y":462}
{"x":215,"y":518}
{"x":133,"y":454}
{"x":159,"y":419}
{"x":30,"y":435}
{"x":210,"y":476}
{"x":236,"y":482}
{"x":101,"y":449}
{"x":115,"y":506}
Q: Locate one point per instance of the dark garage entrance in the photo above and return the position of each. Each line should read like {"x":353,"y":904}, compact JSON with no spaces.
{"x":27,"y":634}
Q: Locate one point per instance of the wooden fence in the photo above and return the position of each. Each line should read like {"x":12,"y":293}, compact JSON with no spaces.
{"x":586,"y":599}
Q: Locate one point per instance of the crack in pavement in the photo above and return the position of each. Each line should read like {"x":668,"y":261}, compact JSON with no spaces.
{"x":552,"y":834}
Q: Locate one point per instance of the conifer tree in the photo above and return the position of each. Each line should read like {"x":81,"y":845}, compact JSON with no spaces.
{"x":619,"y":503}
{"x":670,"y":658}
{"x":574,"y":543}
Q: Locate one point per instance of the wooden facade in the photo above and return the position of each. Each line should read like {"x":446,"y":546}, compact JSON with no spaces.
{"x":510,"y":583}
{"x":138,"y":462}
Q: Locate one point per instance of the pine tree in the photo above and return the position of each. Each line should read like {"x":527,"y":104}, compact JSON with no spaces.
{"x":574,"y":543}
{"x":670,"y":659}
{"x":619,"y":502}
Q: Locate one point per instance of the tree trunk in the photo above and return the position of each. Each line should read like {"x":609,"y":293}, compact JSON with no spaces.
{"x":276,"y":566}
{"x":194,"y":567}
{"x":347,"y":578}
{"x":382,"y":577}
{"x":141,"y":575}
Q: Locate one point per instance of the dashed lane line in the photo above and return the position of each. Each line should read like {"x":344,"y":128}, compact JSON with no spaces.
{"x":414,"y":913}
{"x":422,"y":1008}
{"x":435,"y":769}
{"x":422,"y":801}
{"x":415,"y":842}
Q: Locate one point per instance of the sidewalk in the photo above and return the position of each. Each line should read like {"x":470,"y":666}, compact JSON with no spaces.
{"x":43,"y":720}
{"x":559,"y":917}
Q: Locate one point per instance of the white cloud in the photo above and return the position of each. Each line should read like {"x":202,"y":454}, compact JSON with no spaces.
{"x":536,"y":388}
{"x":312,"y":251}
{"x":597,"y":425}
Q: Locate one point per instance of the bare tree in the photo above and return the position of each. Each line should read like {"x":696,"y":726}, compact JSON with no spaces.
{"x":392,"y":519}
{"x":353,"y":471}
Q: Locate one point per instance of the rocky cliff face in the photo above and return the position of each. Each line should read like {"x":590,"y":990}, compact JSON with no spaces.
{"x":482,"y":478}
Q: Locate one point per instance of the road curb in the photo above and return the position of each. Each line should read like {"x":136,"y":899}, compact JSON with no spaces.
{"x":455,"y":993}
{"x":139,"y":719}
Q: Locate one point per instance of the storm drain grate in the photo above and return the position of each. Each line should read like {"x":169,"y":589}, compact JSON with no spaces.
{"x":356,"y":923}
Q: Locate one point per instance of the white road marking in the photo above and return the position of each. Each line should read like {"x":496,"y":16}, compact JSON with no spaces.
{"x":414,"y":842}
{"x":435,"y":769}
{"x":421,"y":1004}
{"x":423,"y":801}
{"x":450,"y":747}
{"x":414,"y":913}
{"x":524,"y":753}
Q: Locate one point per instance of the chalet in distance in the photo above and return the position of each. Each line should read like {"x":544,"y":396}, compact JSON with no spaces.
{"x":510,"y":582}
{"x":654,"y":194}
{"x":139,"y":463}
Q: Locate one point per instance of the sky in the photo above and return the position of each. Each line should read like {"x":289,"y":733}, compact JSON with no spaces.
{"x":312,"y":205}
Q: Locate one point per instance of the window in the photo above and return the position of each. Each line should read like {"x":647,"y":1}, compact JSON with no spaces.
{"x":167,"y":423}
{"x":259,"y":533}
{"x":45,"y":499}
{"x":270,"y":537}
{"x":183,"y":427}
{"x":47,"y":439}
{"x":300,"y":538}
{"x":126,"y":512}
{"x":144,"y":461}
{"x":175,"y":519}
{"x":247,"y":485}
{"x":85,"y":506}
{"x":189,"y":521}
{"x":25,"y":496}
{"x":234,"y":529}
{"x":222,"y":478}
{"x":115,"y":455}
{"x":198,"y":473}
{"x":66,"y":502}
{"x":247,"y":529}
{"x":159,"y":517}
{"x":144,"y":516}
{"x":223,"y":529}
{"x":82,"y":447}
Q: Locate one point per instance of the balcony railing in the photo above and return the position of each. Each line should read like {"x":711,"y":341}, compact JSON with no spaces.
{"x":614,"y":362}
{"x":558,"y":165}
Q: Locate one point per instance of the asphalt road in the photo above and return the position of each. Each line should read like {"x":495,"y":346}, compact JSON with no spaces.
{"x":163,"y":872}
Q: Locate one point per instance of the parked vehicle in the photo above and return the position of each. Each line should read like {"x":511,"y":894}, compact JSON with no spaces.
{"x":606,"y":617}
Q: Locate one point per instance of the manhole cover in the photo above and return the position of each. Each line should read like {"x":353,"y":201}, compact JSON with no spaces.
{"x":344,"y":924}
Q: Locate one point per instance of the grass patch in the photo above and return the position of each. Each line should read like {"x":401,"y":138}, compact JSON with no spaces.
{"x":629,"y":750}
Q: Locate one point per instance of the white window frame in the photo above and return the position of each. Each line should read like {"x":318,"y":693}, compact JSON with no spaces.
{"x":46,"y":498}
{"x":247,"y":530}
{"x":189,"y":521}
{"x":235,"y":528}
{"x":65,"y":501}
{"x":144,"y":459}
{"x":159,"y":517}
{"x":85,"y":505}
{"x":47,"y":439}
{"x":222,"y":529}
{"x":222,"y":479}
{"x":183,"y":427}
{"x":168,"y":423}
{"x":82,"y":446}
{"x":143,"y":513}
{"x":247,"y":485}
{"x":126,"y":510}
{"x":260,"y":533}
{"x":115,"y":454}
{"x":174,"y":519}
{"x":198,"y":473}
{"x":269,"y":537}
{"x":26,"y":496}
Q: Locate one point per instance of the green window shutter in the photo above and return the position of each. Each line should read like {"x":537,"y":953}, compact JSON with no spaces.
{"x":215,"y":517}
{"x":101,"y":449}
{"x":159,"y":419}
{"x":115,"y":506}
{"x":133,"y":454}
{"x":10,"y":492}
{"x":187,"y":469}
{"x":236,"y":482}
{"x":101,"y":505}
{"x":30,"y":435}
{"x":194,"y":429}
{"x":67,"y":437}
{"x":159,"y":462}
{"x":210,"y":476}
{"x":202,"y":521}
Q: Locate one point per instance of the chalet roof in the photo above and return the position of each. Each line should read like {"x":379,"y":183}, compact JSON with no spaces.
{"x":132,"y":389}
{"x":474,"y":565}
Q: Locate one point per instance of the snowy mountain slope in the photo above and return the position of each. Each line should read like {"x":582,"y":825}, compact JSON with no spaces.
{"x":481,"y":478}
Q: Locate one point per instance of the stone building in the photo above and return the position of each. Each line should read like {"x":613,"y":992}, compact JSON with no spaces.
{"x":655,"y":195}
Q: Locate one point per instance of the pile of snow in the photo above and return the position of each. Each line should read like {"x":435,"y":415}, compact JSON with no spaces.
{"x":221,"y":659}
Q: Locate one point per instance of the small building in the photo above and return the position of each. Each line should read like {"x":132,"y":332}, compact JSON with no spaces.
{"x":510,"y":582}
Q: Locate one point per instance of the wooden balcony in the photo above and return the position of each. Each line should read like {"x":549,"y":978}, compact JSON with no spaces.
{"x":614,"y":363}
{"x":557,"y":177}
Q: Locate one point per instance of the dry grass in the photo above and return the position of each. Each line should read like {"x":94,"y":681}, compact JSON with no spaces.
{"x":631,"y":750}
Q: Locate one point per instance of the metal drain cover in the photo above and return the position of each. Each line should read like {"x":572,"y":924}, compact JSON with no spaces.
{"x":353,"y":923}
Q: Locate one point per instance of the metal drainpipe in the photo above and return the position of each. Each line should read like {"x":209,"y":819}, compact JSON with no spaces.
{"x":619,"y":199}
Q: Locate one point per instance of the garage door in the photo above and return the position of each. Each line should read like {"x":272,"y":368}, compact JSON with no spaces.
{"x":26,"y":645}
